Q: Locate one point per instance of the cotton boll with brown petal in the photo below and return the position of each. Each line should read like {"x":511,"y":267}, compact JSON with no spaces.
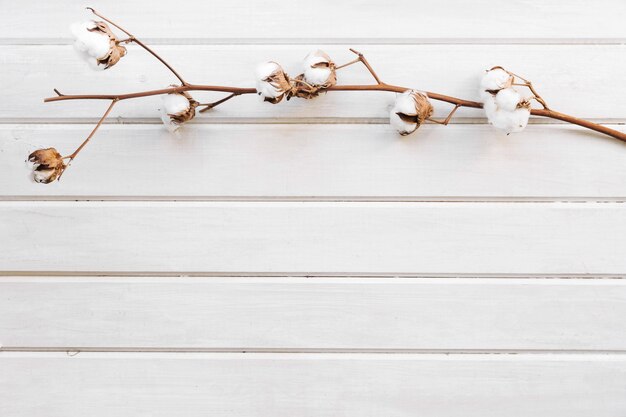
{"x":97,"y":44}
{"x":48,"y":165}
{"x":177,"y":109}
{"x":410,"y":110}
{"x":271,"y":82}
{"x":319,"y":69}
{"x":496,"y":79}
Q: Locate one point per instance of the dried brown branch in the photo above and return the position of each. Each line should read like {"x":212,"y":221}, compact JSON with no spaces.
{"x":73,"y":155}
{"x":298,"y":88}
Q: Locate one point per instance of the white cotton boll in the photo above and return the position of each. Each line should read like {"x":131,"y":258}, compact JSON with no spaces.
{"x":405,"y":104}
{"x":173,"y":104}
{"x":489,"y":103}
{"x":264,"y":88}
{"x":495,"y":79}
{"x":315,"y":74}
{"x":510,"y":121}
{"x":508,"y":99}
{"x":400,"y":125}
{"x":96,"y":44}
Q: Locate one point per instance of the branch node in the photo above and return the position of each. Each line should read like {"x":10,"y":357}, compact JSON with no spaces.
{"x":58,"y":93}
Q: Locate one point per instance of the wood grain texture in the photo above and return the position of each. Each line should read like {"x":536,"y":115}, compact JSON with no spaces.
{"x":318,"y":162}
{"x":160,"y":385}
{"x":326,"y":20}
{"x":574,"y":79}
{"x":308,"y":314}
{"x":310,"y":238}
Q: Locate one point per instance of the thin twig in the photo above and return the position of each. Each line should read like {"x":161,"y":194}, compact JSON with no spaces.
{"x":93,"y":132}
{"x":447,"y":120}
{"x":132,"y":38}
{"x":209,"y":106}
{"x":367,"y":65}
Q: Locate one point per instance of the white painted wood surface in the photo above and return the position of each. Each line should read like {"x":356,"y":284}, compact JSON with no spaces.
{"x":327,"y":20}
{"x":307,"y":238}
{"x":358,"y":266}
{"x":227,"y":313}
{"x":166,"y":384}
{"x":323,"y":161}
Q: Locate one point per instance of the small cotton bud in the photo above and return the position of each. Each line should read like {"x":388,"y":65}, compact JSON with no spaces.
{"x":177,"y":109}
{"x":97,"y":44}
{"x":271,"y":82}
{"x":496,"y":79}
{"x":410,"y":110}
{"x":48,"y":165}
{"x":319,"y":70}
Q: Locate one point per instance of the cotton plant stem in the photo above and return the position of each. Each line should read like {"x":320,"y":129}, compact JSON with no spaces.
{"x":73,"y":155}
{"x":132,"y":38}
{"x":374,"y":87}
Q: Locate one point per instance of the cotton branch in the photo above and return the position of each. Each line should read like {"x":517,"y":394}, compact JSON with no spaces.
{"x":412,"y":107}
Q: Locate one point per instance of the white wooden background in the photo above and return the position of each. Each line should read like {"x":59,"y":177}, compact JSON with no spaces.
{"x":303,"y":259}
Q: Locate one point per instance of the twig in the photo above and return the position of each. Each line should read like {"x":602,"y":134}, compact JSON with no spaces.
{"x":209,"y":106}
{"x":93,"y":132}
{"x":132,"y":38}
{"x":447,"y":120}
{"x":367,"y":65}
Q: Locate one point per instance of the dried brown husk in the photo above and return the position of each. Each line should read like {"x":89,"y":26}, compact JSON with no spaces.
{"x":50,"y":161}
{"x":423,"y":111}
{"x":116,"y":51}
{"x":280,"y":81}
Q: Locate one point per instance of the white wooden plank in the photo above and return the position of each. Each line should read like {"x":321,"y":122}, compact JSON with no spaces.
{"x":567,"y":76}
{"x":327,"y":20}
{"x":58,"y":385}
{"x":318,"y":161}
{"x":322,"y":313}
{"x":310,"y":238}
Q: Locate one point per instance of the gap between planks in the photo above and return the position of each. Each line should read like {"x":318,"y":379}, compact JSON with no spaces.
{"x":74,"y":351}
{"x":336,"y":41}
{"x":307,"y":275}
{"x":320,"y":199}
{"x":120,"y":120}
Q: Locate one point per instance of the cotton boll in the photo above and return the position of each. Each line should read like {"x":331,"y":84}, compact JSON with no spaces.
{"x":177,"y":109}
{"x":175,"y":103}
{"x":271,"y":82}
{"x":410,"y":110}
{"x":510,"y":121}
{"x":496,"y":79}
{"x":93,"y":43}
{"x":319,"y":70}
{"x":489,"y":103}
{"x":508,"y":99}
{"x":97,"y":44}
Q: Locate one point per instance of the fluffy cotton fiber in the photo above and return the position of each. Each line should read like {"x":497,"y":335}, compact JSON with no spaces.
{"x":319,"y":69}
{"x":504,"y":107}
{"x":265,"y":87}
{"x":91,"y":44}
{"x":410,"y":109}
{"x":173,"y":104}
